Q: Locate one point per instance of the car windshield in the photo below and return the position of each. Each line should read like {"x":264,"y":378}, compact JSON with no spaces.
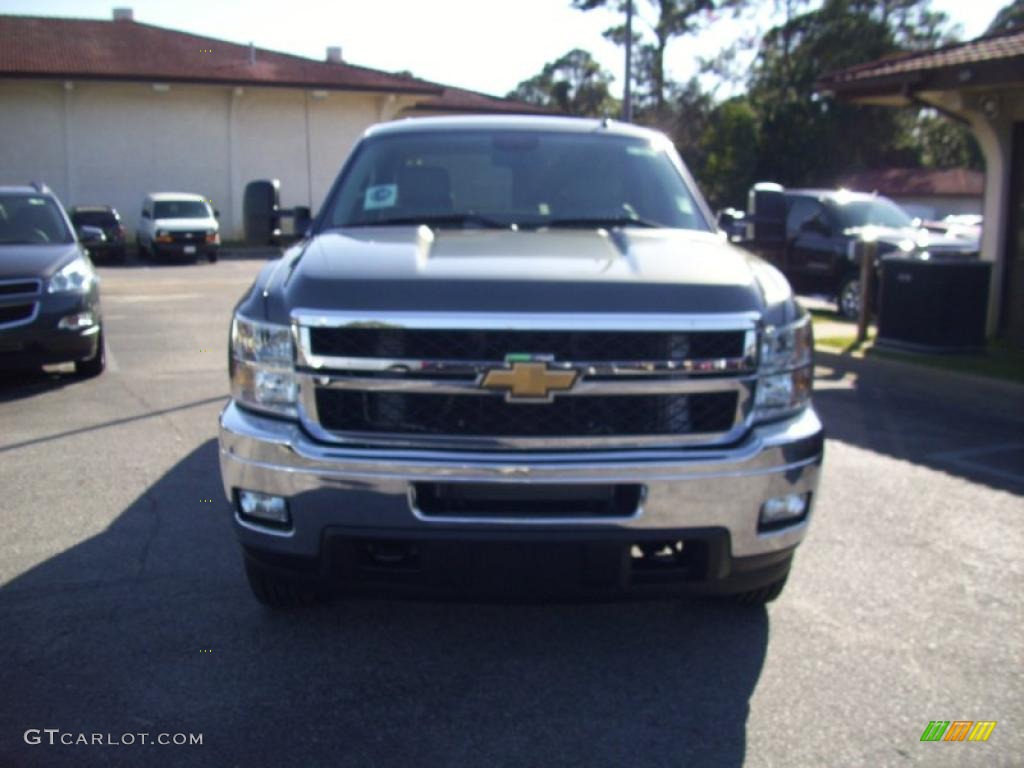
{"x":93,"y":219}
{"x":181,"y":209}
{"x":31,"y":219}
{"x":876,"y":211}
{"x":505,"y":178}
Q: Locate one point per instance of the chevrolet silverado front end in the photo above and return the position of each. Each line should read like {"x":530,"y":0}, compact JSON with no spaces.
{"x":515,"y":352}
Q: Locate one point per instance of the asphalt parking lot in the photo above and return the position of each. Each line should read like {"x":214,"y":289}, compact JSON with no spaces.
{"x":124,"y":610}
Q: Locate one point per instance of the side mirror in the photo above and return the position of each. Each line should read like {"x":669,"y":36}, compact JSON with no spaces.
{"x":766,"y":214}
{"x":90,"y":235}
{"x":216,"y":213}
{"x":302,"y":220}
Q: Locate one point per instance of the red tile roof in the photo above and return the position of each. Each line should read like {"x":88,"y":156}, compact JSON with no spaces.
{"x":50,"y":47}
{"x":461,"y":100}
{"x":995,"y":49}
{"x":896,"y":182}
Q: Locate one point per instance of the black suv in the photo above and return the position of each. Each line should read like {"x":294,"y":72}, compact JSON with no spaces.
{"x":49,"y":291}
{"x":106,"y":218}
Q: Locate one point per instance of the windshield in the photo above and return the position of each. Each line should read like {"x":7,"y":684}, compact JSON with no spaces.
{"x":181,"y":209}
{"x":500,"y":179}
{"x":29,"y":219}
{"x":93,"y":219}
{"x":877,"y":211}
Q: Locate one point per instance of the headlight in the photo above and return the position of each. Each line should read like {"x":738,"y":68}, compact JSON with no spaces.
{"x":77,"y":276}
{"x":786,"y":371}
{"x":263,"y":366}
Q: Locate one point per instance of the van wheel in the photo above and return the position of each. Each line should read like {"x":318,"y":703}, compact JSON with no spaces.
{"x":94,"y":365}
{"x":276,"y":591}
{"x":848,"y":297}
{"x":763,"y":595}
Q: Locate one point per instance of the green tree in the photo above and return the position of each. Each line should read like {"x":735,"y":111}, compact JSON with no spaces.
{"x":729,"y":153}
{"x":1008,"y":19}
{"x":685,"y":119}
{"x":674,"y":18}
{"x":946,"y":143}
{"x":574,"y":84}
{"x":915,"y":26}
{"x":810,"y":138}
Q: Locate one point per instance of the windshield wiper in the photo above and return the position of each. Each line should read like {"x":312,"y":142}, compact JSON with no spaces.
{"x":600,"y":221}
{"x":439,"y":220}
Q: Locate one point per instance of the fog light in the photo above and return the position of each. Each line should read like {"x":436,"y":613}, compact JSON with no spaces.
{"x":264,"y":507}
{"x":77,"y":321}
{"x":783,"y":510}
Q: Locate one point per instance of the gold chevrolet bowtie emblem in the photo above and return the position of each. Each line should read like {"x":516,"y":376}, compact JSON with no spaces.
{"x":529,"y":381}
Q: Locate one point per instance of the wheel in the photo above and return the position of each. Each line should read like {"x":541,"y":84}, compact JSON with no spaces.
{"x":276,"y":591}
{"x":140,"y":249}
{"x":848,"y":297}
{"x":94,"y":365}
{"x":212,"y":257}
{"x":762,"y":595}
{"x":121,"y":255}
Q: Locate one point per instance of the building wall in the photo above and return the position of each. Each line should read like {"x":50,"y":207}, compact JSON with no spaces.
{"x":111,"y":143}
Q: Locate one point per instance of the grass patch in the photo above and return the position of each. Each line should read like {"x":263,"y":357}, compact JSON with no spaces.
{"x":998,"y":361}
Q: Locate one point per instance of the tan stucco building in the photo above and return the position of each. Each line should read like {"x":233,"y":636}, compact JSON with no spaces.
{"x":107,"y":111}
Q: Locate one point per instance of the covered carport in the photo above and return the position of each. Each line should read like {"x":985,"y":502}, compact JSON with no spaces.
{"x":980,"y":83}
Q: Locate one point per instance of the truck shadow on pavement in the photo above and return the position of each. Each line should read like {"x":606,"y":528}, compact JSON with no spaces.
{"x":21,"y":384}
{"x":149,"y":627}
{"x":967,"y":428}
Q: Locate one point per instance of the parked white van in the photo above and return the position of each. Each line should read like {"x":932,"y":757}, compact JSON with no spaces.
{"x":179,"y":225}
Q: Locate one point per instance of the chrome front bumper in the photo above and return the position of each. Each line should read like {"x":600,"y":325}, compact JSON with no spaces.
{"x":332,"y":486}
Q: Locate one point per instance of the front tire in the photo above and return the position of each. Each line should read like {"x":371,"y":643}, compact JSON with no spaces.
{"x":276,"y":591}
{"x":848,"y":297}
{"x":93,"y":366}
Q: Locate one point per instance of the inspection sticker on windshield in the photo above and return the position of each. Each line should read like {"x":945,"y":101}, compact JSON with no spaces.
{"x":380,"y":196}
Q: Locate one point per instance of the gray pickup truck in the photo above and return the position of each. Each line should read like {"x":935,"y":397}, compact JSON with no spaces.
{"x":515,"y":353}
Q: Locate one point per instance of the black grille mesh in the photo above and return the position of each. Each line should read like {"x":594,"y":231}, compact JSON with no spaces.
{"x":12,"y":289}
{"x":194,"y":236}
{"x":11,"y":314}
{"x":491,"y":416}
{"x":495,"y":345}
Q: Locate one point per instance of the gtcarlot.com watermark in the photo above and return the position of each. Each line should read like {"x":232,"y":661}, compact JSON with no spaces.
{"x":55,"y":736}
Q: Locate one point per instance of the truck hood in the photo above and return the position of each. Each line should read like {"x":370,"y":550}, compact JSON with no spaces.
{"x":35,"y":260}
{"x":565,"y":270}
{"x":921,"y":239}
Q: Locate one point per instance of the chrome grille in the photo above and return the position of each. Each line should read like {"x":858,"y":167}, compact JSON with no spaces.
{"x":467,"y":345}
{"x":415,"y":380}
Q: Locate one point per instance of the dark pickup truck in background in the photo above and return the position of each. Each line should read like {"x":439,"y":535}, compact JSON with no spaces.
{"x":811,"y":235}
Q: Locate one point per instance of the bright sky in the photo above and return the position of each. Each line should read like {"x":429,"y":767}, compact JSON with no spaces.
{"x":484,"y":45}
